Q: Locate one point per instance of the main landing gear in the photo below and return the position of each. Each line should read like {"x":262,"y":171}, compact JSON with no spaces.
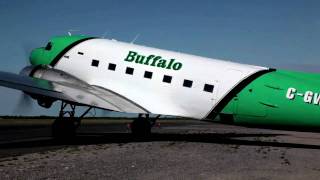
{"x":66,"y":124}
{"x":141,"y":126}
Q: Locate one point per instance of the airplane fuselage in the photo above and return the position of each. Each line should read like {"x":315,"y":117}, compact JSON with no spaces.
{"x":164,"y":92}
{"x":178,"y":84}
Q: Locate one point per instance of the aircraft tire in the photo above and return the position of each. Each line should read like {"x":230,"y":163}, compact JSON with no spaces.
{"x":141,"y":128}
{"x":64,"y":128}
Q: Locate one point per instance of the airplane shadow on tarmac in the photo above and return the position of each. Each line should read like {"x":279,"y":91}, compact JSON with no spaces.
{"x":107,"y":138}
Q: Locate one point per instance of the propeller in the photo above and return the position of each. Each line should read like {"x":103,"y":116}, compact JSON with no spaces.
{"x":24,"y":104}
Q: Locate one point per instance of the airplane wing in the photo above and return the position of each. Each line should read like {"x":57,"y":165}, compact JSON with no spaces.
{"x":83,"y":94}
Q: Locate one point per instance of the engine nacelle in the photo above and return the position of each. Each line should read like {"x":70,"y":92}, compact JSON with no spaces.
{"x":43,"y":101}
{"x":52,"y":75}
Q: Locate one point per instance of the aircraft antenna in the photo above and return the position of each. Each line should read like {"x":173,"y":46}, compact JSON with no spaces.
{"x":135,"y":38}
{"x":72,"y":30}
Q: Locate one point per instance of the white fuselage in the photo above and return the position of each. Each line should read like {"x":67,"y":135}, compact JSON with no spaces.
{"x":153,"y":94}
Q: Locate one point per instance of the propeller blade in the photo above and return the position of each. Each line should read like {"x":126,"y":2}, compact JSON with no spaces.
{"x":24,"y":104}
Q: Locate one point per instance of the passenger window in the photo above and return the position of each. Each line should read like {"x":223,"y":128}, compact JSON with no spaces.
{"x":129,"y":70}
{"x":48,"y":46}
{"x":112,"y":67}
{"x":95,"y":63}
{"x":148,"y":74}
{"x":167,"y":79}
{"x":187,"y":83}
{"x":208,"y":88}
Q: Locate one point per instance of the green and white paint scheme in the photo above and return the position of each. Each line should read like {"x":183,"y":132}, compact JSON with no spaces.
{"x":242,"y":94}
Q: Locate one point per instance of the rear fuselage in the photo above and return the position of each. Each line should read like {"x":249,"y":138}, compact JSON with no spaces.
{"x":284,"y":98}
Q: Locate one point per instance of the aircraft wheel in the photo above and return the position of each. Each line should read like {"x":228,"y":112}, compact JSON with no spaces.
{"x":64,"y":128}
{"x":141,"y":127}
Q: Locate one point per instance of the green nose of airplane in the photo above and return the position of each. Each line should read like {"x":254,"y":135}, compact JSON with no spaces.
{"x":36,"y":56}
{"x":55,"y":49}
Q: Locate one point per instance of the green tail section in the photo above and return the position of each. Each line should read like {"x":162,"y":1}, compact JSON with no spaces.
{"x":281,"y":97}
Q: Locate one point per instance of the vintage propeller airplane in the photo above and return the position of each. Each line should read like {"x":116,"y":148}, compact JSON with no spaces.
{"x":100,"y":73}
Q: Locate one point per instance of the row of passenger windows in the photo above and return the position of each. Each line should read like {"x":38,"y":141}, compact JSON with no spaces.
{"x":148,"y":75}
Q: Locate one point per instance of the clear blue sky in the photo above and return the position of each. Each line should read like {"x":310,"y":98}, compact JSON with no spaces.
{"x":272,"y":33}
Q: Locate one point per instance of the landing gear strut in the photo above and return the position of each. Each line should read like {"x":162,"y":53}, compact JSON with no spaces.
{"x":142,"y":125}
{"x":66,"y":124}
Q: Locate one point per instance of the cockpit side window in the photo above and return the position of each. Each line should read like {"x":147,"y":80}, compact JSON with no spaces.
{"x":48,"y":46}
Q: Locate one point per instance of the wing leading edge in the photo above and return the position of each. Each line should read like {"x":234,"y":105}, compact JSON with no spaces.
{"x":60,"y":90}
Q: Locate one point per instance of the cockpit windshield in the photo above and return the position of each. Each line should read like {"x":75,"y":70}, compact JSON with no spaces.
{"x":48,"y":46}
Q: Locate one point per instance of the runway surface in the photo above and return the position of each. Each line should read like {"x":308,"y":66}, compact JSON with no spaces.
{"x":179,"y":149}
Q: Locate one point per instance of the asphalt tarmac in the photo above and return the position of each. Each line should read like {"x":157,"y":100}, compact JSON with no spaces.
{"x":178,"y":149}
